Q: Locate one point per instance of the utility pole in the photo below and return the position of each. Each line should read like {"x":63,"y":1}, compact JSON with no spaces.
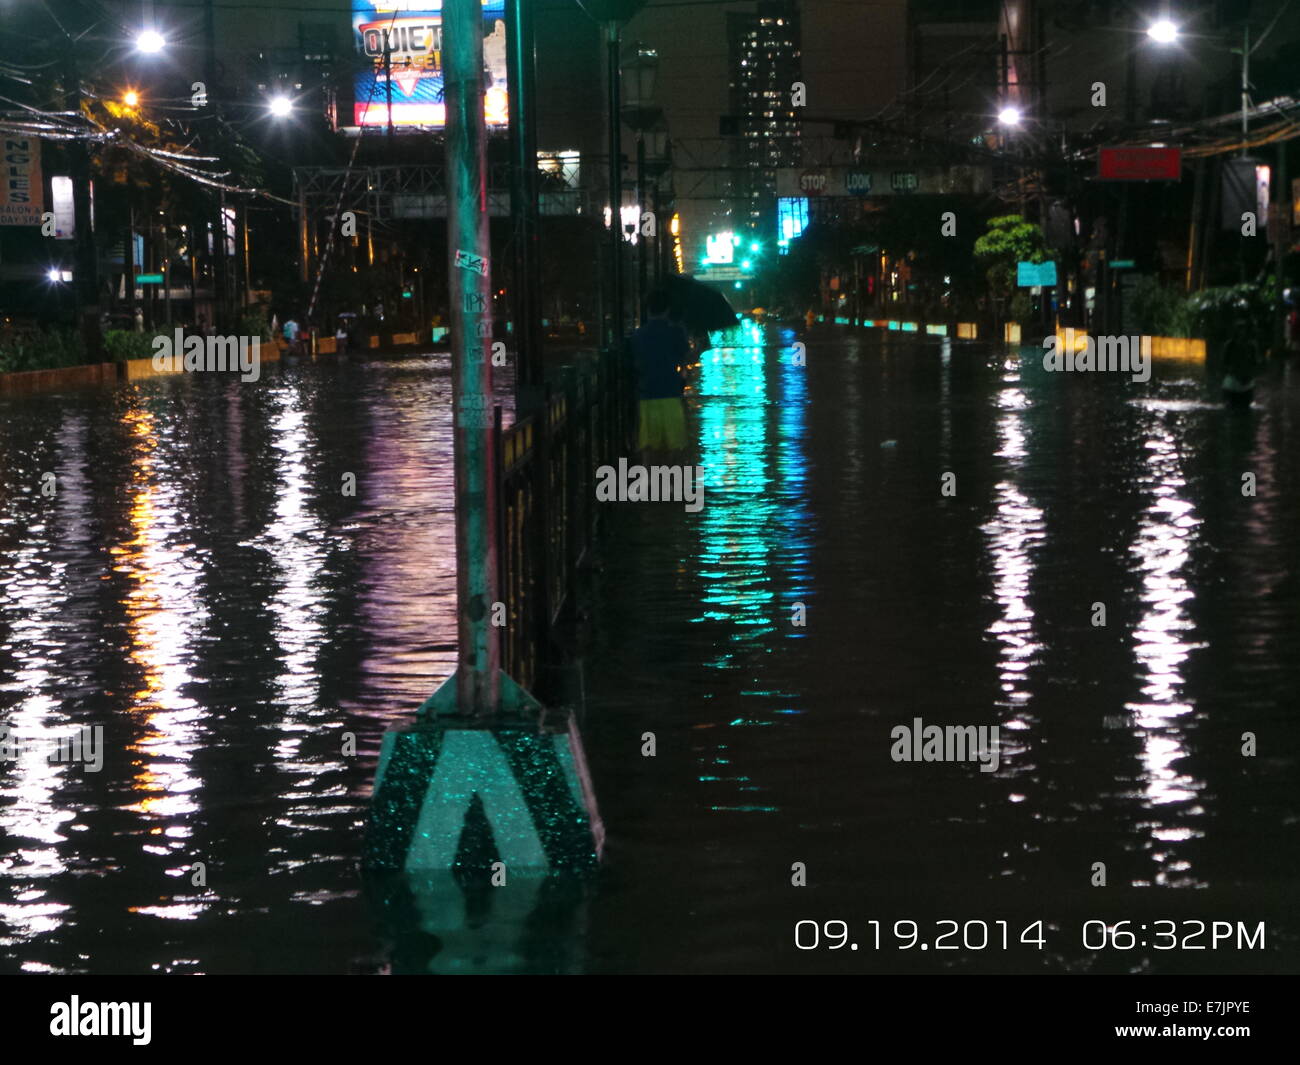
{"x":1282,"y":234}
{"x":641,"y":239}
{"x":615,"y":337}
{"x":219,"y":264}
{"x":1245,"y":87}
{"x":128,"y":257}
{"x":85,"y":271}
{"x":479,"y":737}
{"x":468,"y":250}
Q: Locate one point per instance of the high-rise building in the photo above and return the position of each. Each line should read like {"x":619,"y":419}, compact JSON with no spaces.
{"x":765,"y":64}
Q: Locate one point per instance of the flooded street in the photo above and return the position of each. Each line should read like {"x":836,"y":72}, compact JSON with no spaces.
{"x":202,"y":587}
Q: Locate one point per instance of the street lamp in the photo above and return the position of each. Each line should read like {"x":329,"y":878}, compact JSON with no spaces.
{"x":280,"y":106}
{"x":1009,"y":116}
{"x":150,"y":42}
{"x":1163,"y":31}
{"x":131,"y":98}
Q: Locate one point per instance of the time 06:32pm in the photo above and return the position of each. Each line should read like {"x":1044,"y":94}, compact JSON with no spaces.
{"x":1001,"y":935}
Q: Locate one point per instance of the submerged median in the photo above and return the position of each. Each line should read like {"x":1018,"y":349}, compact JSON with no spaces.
{"x":33,"y":360}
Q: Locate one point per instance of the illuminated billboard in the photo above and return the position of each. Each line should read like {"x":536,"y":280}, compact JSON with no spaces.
{"x":413,"y":30}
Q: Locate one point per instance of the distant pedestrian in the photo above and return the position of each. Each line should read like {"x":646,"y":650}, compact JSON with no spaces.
{"x":290,"y":334}
{"x":661,"y":350}
{"x":1241,"y":359}
{"x":341,"y":337}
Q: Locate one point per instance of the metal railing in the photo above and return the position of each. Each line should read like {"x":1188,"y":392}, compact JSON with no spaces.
{"x":547,"y":505}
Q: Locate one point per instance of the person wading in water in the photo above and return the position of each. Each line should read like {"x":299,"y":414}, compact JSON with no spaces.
{"x":661,"y":350}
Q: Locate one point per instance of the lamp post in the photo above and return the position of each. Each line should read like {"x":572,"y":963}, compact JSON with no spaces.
{"x":526,"y":291}
{"x":656,"y":150}
{"x":611,"y":14}
{"x":640,"y":113}
{"x":1165,"y":32}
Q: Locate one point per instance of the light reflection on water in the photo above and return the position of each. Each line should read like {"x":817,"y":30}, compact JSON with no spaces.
{"x":202,"y":587}
{"x":1162,"y":642}
{"x":752,"y":556}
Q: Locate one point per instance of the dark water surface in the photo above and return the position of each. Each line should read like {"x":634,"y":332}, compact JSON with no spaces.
{"x":201,"y":587}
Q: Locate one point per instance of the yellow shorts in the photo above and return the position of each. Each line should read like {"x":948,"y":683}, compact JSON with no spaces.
{"x":663,"y":424}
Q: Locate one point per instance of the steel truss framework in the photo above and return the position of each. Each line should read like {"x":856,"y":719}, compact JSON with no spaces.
{"x":401,"y":192}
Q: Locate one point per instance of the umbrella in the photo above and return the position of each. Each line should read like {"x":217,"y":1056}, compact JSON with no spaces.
{"x":699,"y":307}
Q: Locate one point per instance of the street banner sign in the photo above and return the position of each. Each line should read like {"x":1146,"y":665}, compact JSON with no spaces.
{"x":21,"y":198}
{"x":1245,"y":187}
{"x":1140,"y":164}
{"x":856,"y":182}
{"x":813,"y":182}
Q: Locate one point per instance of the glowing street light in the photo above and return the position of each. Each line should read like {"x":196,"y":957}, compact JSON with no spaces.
{"x":281,"y":106}
{"x":150,"y":41}
{"x":1163,"y":31}
{"x":1009,"y":116}
{"x":131,"y":98}
{"x":52,"y":275}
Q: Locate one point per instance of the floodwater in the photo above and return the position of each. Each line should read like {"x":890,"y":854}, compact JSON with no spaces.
{"x":201,"y":586}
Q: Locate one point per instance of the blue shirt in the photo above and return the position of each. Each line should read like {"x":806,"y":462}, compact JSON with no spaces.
{"x":660,"y":347}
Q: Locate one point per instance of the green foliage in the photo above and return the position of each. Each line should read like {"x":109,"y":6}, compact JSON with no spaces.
{"x":1009,"y":240}
{"x":1021,"y":308}
{"x":40,"y":349}
{"x":123,"y":344}
{"x":254,"y":323}
{"x":1217,"y":313}
{"x":1157,"y":309}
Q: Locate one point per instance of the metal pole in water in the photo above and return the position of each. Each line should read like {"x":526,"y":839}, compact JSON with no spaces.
{"x":485,"y":776}
{"x":471,"y":346}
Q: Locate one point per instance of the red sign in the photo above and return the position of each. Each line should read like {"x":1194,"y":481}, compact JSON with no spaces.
{"x":1140,"y":164}
{"x":812,"y":182}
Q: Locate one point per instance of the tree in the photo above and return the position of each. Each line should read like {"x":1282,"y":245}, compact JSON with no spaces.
{"x":1009,"y":240}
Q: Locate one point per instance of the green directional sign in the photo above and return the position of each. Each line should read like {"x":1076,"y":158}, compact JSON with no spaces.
{"x":148,"y":279}
{"x":1123,"y":264}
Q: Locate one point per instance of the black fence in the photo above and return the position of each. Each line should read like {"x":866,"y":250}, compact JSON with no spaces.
{"x":547,"y":504}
